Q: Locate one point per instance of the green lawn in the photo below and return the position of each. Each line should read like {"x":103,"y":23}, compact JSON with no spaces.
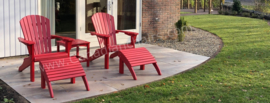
{"x":185,"y":12}
{"x":239,"y":73}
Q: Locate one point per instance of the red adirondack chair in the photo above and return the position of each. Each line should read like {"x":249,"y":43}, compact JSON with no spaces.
{"x":106,"y":35}
{"x":37,"y":38}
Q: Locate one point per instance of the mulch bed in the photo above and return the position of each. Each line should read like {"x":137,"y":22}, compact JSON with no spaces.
{"x":7,"y":92}
{"x":196,"y":41}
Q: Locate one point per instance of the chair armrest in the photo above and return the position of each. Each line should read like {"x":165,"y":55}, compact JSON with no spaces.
{"x":100,"y":35}
{"x":26,"y":42}
{"x":62,"y":37}
{"x":127,"y":32}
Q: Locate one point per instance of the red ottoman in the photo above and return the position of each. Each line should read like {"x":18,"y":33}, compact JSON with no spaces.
{"x":59,"y":69}
{"x":136,"y":57}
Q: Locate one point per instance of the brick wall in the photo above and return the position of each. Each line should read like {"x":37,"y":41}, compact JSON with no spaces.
{"x":167,"y":12}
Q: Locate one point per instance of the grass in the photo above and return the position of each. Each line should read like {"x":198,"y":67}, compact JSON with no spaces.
{"x":185,"y":12}
{"x":239,"y":73}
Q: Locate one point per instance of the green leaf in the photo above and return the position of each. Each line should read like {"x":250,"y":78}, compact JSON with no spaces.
{"x":6,"y":100}
{"x":1,"y":88}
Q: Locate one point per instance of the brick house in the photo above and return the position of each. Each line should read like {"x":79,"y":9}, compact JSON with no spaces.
{"x":72,"y":18}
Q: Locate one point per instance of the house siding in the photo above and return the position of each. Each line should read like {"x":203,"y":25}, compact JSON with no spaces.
{"x":11,"y":11}
{"x":159,"y":17}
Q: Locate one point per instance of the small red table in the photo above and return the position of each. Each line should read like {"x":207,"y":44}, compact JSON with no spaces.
{"x":136,"y":57}
{"x":77,"y":43}
{"x":59,"y":69}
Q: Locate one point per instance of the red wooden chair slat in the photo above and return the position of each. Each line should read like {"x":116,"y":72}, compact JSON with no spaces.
{"x":39,"y":29}
{"x":37,"y":38}
{"x":104,"y":25}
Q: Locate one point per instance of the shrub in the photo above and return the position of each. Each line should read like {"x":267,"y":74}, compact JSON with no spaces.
{"x":245,"y":14}
{"x":226,"y":13}
{"x":254,"y":16}
{"x":180,"y":24}
{"x":220,"y":12}
{"x":261,"y":16}
{"x":237,"y":6}
{"x":234,"y":13}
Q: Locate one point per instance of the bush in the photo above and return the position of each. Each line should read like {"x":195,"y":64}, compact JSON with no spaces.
{"x":234,"y":13}
{"x":261,"y":16}
{"x":220,"y":12}
{"x":226,"y":13}
{"x":254,"y":16}
{"x":237,"y":6}
{"x":245,"y":14}
{"x":180,"y":24}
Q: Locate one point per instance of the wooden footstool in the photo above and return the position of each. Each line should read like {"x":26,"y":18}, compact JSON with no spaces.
{"x":59,"y":69}
{"x":136,"y":57}
{"x":77,"y":43}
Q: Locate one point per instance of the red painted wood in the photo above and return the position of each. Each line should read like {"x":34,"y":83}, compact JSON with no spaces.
{"x":37,"y":38}
{"x":77,"y":43}
{"x":106,"y":35}
{"x":69,"y":68}
{"x":136,"y":57}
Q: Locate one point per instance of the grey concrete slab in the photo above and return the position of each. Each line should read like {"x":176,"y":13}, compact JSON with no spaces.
{"x":101,"y":81}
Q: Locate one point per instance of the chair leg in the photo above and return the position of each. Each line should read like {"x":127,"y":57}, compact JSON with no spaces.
{"x":50,"y":88}
{"x":58,"y":47}
{"x":88,"y":57}
{"x":114,"y":55}
{"x":157,"y":68}
{"x":142,"y":67}
{"x":32,"y":71}
{"x":72,"y":80}
{"x":107,"y":61}
{"x":121,"y":66}
{"x":132,"y":73}
{"x":42,"y":81}
{"x":26,"y":63}
{"x":86,"y":83}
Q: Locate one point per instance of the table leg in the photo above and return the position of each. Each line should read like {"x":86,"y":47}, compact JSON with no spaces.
{"x":142,"y":67}
{"x":77,"y":51}
{"x":58,"y":47}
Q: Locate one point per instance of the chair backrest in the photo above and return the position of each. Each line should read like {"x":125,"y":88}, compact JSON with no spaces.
{"x":37,"y":29}
{"x":104,"y":24}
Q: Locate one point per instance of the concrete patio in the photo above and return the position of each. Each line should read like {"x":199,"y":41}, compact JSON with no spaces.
{"x":101,"y":81}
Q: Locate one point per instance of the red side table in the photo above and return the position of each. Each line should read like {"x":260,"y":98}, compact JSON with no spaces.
{"x":77,"y":43}
{"x":136,"y":57}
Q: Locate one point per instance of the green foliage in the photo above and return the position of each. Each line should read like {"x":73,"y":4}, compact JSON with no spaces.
{"x":220,"y":12}
{"x":8,"y":100}
{"x":192,"y":3}
{"x":261,"y":16}
{"x":237,"y":6}
{"x":245,"y":14}
{"x":254,"y":16}
{"x":226,"y":12}
{"x":1,"y":88}
{"x":181,"y":25}
{"x":202,"y":3}
{"x":234,"y":13}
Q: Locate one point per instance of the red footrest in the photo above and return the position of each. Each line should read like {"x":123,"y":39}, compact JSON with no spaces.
{"x":58,"y":69}
{"x":136,"y":57}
